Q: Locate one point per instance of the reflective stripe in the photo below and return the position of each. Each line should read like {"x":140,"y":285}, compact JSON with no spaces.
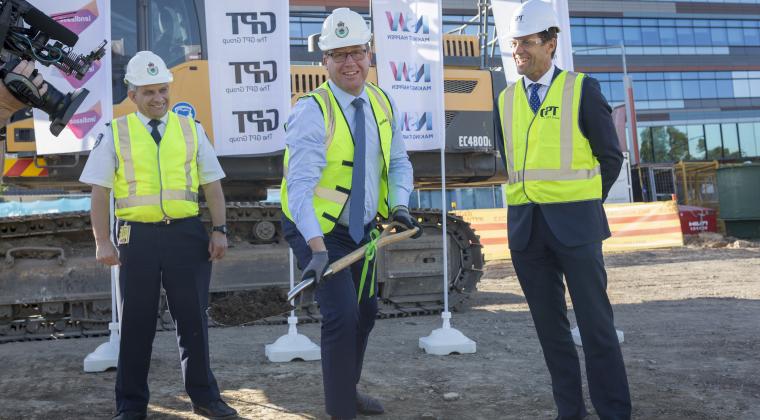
{"x":506,"y":124}
{"x":330,"y":129}
{"x":330,"y":195}
{"x":187,"y":133}
{"x":155,"y":199}
{"x":566,"y":127}
{"x":379,"y":97}
{"x":555,"y":175}
{"x":125,"y":147}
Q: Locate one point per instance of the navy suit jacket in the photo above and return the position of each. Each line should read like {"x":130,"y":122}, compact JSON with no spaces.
{"x":582,"y":222}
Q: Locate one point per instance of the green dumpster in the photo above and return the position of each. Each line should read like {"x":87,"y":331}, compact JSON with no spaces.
{"x":739,"y":199}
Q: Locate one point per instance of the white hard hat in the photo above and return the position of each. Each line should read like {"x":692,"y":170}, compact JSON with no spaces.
{"x":147,"y":68}
{"x":343,"y":28}
{"x":532,"y":17}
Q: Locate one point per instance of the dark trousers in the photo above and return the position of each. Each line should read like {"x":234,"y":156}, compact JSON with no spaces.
{"x":175,"y":256}
{"x":540,"y":268}
{"x":345,"y":324}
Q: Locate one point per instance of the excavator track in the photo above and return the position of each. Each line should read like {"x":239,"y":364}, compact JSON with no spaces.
{"x":255,"y":226}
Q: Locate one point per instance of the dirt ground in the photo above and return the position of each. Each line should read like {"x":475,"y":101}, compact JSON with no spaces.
{"x":691,"y":318}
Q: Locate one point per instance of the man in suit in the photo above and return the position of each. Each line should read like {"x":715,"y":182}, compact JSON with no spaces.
{"x":562,"y":156}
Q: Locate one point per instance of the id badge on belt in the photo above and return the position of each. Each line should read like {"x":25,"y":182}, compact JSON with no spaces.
{"x":123,"y":236}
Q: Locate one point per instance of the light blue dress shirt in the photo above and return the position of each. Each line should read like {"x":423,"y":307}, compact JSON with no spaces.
{"x":305,"y":140}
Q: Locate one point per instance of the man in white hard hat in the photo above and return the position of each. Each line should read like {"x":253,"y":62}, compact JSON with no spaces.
{"x":562,"y":156}
{"x":155,"y":161}
{"x":345,"y":163}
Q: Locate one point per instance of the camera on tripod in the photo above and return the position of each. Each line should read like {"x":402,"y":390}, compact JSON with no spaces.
{"x":47,"y":42}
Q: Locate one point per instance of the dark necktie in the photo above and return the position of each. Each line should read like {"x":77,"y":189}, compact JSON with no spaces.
{"x":154,"y":131}
{"x":356,"y":212}
{"x":534,"y":101}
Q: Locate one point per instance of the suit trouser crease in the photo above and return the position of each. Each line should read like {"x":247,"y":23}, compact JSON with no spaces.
{"x":346,"y":325}
{"x":540,"y":268}
{"x":174,"y":256}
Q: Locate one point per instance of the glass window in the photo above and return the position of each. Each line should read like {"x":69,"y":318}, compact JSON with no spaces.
{"x":640,"y":90}
{"x":741,"y":88}
{"x":661,"y":144}
{"x":617,"y":92}
{"x":578,"y":34}
{"x":730,"y":141}
{"x":632,"y":35}
{"x":708,"y":88}
{"x":614,"y":35}
{"x":691,"y":89}
{"x":713,"y":141}
{"x":748,"y":139}
{"x":719,"y":36}
{"x":668,"y":36}
{"x":645,"y":144}
{"x":656,"y":90}
{"x":754,"y":87}
{"x":735,"y":36}
{"x":751,"y":36}
{"x":673,"y":89}
{"x":650,"y":35}
{"x":725,"y":88}
{"x":631,"y":22}
{"x":679,"y":143}
{"x":696,"y":136}
{"x":123,"y":44}
{"x":594,"y":35}
{"x":702,"y":37}
{"x":175,"y":34}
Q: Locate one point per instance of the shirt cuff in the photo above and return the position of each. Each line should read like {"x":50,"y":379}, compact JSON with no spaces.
{"x":309,"y":231}
{"x":98,"y":182}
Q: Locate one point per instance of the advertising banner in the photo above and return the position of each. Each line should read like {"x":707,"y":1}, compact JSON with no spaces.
{"x":249,"y":68}
{"x":409,"y":58}
{"x":502,"y":14}
{"x":91,"y":21}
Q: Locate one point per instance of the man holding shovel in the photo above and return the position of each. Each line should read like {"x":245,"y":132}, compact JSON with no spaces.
{"x":345,"y":163}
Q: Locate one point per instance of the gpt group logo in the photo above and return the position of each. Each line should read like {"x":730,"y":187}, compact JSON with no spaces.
{"x":406,"y":26}
{"x":78,"y":20}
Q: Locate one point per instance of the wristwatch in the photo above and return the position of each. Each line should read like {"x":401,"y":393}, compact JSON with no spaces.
{"x":220,"y":228}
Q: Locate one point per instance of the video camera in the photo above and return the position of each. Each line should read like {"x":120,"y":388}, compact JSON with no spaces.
{"x":19,"y":43}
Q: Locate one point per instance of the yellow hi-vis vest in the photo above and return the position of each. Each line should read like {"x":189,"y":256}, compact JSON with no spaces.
{"x":153,"y":182}
{"x":549,"y":160}
{"x":333,"y":188}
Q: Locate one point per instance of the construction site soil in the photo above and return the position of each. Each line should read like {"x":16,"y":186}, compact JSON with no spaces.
{"x":691,"y":318}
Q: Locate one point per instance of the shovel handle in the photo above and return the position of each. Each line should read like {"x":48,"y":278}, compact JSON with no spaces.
{"x":385,"y":239}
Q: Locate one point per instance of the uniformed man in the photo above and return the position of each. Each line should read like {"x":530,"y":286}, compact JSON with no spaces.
{"x":345,"y":163}
{"x":155,"y":160}
{"x":562,"y":157}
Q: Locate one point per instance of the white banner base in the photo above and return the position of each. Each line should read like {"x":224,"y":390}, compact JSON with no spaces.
{"x":446,"y":340}
{"x":292,"y":346}
{"x":577,"y":336}
{"x":106,"y":356}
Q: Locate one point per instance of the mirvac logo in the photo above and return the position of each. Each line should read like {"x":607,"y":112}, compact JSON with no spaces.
{"x":416,"y":125}
{"x":78,"y":20}
{"x":412,"y":76}
{"x":408,"y":27}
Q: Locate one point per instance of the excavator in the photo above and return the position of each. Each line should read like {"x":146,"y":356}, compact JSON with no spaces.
{"x":50,"y":283}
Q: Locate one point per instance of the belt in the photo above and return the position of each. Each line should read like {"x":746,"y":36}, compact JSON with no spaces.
{"x":164,"y":222}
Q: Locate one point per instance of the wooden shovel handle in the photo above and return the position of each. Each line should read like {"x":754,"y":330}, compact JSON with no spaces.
{"x":385,"y":239}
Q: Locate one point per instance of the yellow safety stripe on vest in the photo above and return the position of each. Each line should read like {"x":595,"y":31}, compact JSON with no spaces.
{"x":565,"y":173}
{"x":331,"y":195}
{"x":122,"y":128}
{"x":330,"y":129}
{"x":155,"y":199}
{"x":187,"y":133}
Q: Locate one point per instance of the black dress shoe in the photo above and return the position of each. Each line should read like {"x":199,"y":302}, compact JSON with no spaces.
{"x":215,"y":410}
{"x":130,"y":415}
{"x":367,"y":405}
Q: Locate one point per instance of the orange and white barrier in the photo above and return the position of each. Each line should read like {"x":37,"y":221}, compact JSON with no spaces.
{"x":634,"y":226}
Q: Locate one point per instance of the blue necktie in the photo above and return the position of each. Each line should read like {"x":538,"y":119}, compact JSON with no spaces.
{"x":356,"y":212}
{"x":534,"y":100}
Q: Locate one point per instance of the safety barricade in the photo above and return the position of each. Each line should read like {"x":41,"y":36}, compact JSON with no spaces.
{"x":634,"y":226}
